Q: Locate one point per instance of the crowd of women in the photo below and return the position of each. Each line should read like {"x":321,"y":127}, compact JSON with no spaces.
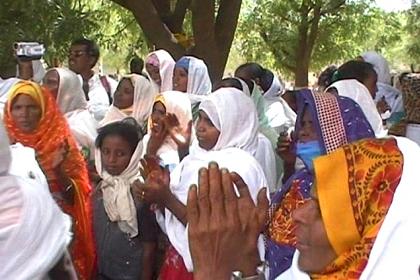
{"x":182,"y":178}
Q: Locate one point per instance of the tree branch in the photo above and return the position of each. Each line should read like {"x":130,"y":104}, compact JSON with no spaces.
{"x":332,"y":8}
{"x":152,"y":25}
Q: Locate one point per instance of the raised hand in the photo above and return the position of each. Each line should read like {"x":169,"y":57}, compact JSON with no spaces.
{"x":158,"y":135}
{"x":59,"y":155}
{"x":148,"y":164}
{"x":181,"y":135}
{"x":155,"y":189}
{"x":223,"y":239}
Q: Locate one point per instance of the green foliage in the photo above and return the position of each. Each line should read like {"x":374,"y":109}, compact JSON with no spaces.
{"x":413,"y":28}
{"x":53,"y":22}
{"x":268,"y":33}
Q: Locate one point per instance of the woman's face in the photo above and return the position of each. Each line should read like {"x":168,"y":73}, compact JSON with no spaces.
{"x":180,"y":79}
{"x":154,"y":73}
{"x":158,"y":116}
{"x":307,"y":130}
{"x":207,"y":134}
{"x":52,"y":82}
{"x":26,"y":113}
{"x":314,"y":247}
{"x":115,"y":154}
{"x":124,"y":95}
{"x":370,"y":83}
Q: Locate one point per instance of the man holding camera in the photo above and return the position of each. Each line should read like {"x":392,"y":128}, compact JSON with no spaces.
{"x":99,"y":90}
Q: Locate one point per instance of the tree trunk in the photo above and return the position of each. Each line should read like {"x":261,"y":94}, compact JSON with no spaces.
{"x":213,"y":35}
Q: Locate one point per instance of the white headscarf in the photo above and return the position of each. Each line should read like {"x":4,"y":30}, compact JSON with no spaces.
{"x":34,"y":233}
{"x":235,"y":115}
{"x":166,"y":70}
{"x":279,"y":114}
{"x":70,"y":95}
{"x":199,"y":83}
{"x":144,"y":96}
{"x":275,"y":91}
{"x":116,"y":192}
{"x":380,"y":64}
{"x":397,"y":242}
{"x":360,"y":94}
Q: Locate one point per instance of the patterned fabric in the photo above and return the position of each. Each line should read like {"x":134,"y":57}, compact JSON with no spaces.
{"x":373,"y":170}
{"x":410,"y":87}
{"x":327,"y":108}
{"x":338,"y":120}
{"x":173,"y":267}
{"x":52,"y":133}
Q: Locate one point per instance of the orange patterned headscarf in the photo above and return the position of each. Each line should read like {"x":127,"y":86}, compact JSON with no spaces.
{"x":51,"y":134}
{"x":353,"y":212}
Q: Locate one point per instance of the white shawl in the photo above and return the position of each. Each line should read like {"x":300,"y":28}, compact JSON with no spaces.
{"x":360,"y":94}
{"x":34,"y":233}
{"x":199,"y":83}
{"x":144,"y":96}
{"x":395,"y":253}
{"x":116,"y":192}
{"x":70,"y":96}
{"x":166,"y":70}
{"x":279,"y":114}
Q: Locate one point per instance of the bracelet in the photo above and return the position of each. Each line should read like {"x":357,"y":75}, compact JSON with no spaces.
{"x":260,"y":274}
{"x":68,"y":188}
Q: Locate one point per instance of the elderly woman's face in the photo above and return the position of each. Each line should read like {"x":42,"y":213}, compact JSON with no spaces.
{"x":26,"y":113}
{"x":307,"y":130}
{"x":154,"y":73}
{"x":52,"y":81}
{"x":314,"y":247}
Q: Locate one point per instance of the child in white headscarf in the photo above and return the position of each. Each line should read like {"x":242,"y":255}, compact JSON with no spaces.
{"x":125,"y":230}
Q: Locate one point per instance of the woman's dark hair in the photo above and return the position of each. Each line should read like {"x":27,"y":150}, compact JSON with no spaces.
{"x":136,"y":65}
{"x":355,"y":69}
{"x":255,"y":72}
{"x":229,"y":82}
{"x":91,"y":48}
{"x":325,"y":79}
{"x":128,"y":129}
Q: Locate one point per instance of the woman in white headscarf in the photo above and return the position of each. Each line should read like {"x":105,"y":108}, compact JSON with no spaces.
{"x":191,"y":76}
{"x":386,"y":92}
{"x":67,"y":90}
{"x":360,"y":94}
{"x":224,"y":136}
{"x":280,"y":116}
{"x":160,"y":68}
{"x":133,"y":98}
{"x":34,"y":233}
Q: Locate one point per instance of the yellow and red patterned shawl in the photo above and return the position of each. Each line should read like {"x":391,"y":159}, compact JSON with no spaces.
{"x":51,"y":133}
{"x":355,"y":188}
